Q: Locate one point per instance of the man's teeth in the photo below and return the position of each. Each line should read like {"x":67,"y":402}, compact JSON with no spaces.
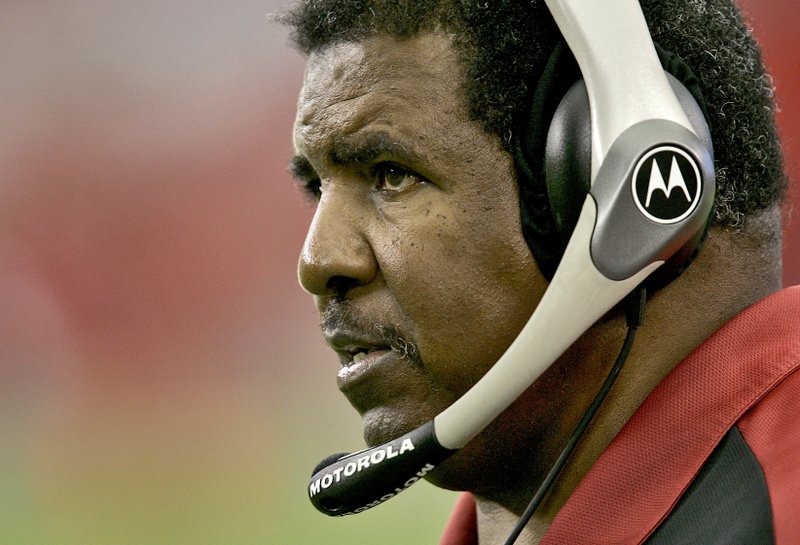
{"x":359,"y":356}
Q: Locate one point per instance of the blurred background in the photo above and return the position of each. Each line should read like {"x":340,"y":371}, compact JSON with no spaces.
{"x":162,"y":380}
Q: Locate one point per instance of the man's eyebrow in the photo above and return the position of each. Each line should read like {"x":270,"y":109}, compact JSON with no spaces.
{"x":362,"y":149}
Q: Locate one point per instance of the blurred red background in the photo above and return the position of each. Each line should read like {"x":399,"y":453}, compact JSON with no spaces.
{"x":161,"y":377}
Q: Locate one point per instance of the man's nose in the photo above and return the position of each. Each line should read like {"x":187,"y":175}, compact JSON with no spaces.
{"x":336,"y":255}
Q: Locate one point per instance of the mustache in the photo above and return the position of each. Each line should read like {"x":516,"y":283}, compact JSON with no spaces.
{"x":338,"y":313}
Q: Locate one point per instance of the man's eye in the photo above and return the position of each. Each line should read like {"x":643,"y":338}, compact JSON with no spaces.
{"x":394,"y":179}
{"x":313,"y":188}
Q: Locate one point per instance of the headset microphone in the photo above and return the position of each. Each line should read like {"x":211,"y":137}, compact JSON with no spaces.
{"x":644,"y":148}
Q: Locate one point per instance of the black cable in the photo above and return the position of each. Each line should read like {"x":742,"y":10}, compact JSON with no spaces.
{"x":635,"y":316}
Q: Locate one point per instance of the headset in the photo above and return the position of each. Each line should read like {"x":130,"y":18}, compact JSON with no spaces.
{"x":637,"y":140}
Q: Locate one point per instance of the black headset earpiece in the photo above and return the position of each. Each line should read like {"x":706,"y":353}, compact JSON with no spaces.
{"x":567,"y":162}
{"x":530,"y":136}
{"x":552,"y":154}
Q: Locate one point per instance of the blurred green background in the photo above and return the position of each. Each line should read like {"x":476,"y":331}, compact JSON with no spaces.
{"x":162,"y":379}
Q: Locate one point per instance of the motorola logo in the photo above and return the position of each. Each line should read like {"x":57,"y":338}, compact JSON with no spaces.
{"x":666,"y":184}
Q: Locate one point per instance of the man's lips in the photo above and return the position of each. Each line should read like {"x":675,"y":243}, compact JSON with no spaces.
{"x":364,"y":365}
{"x":361,"y":356}
{"x":353,"y":347}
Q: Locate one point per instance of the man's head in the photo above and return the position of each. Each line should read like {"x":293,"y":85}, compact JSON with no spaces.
{"x":415,"y":251}
{"x":417,"y":255}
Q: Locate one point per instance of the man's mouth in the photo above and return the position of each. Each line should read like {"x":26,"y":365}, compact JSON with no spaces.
{"x":352,"y":351}
{"x":364,"y":365}
{"x":373,"y":361}
{"x":358,"y":357}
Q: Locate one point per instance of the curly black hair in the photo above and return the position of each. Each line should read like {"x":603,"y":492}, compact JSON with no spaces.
{"x":504,"y":45}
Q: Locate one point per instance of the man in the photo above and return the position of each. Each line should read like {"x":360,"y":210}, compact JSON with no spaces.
{"x":430,"y":249}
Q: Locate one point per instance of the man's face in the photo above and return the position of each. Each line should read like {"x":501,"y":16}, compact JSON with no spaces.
{"x":415,"y":255}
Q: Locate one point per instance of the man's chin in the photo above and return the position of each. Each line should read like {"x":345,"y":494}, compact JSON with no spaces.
{"x":382,"y":425}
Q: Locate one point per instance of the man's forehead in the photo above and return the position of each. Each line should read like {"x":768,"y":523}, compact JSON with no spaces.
{"x":356,"y":67}
{"x":343,"y":61}
{"x":351,"y":84}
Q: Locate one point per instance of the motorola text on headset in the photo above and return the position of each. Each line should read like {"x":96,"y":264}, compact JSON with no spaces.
{"x":651,"y":180}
